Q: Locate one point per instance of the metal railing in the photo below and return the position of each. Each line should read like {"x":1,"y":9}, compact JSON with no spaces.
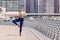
{"x":49,"y":27}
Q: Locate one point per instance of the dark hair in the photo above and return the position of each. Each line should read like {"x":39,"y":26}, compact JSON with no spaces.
{"x":21,"y":7}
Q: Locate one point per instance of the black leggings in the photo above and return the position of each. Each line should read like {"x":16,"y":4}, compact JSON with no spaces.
{"x":21,"y":20}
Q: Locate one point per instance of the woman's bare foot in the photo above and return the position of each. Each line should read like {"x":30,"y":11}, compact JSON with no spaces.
{"x":19,"y":34}
{"x":18,"y":25}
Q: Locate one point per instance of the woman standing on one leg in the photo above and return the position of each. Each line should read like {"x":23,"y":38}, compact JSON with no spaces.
{"x":21,"y":16}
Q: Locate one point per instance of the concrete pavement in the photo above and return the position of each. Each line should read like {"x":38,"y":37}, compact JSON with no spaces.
{"x":8,"y":32}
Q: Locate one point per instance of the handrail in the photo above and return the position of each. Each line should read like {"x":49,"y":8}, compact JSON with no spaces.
{"x":43,"y":14}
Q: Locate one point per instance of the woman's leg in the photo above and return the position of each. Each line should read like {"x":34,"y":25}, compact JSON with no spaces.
{"x":21,"y":24}
{"x":15,"y":21}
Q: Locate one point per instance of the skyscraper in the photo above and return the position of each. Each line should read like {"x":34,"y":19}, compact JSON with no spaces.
{"x":11,"y":5}
{"x":31,"y":6}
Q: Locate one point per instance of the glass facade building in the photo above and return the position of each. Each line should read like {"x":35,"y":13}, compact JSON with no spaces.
{"x":10,"y":5}
{"x":30,"y":6}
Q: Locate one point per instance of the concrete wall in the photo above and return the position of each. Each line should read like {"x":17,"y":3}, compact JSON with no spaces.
{"x":59,"y":6}
{"x":32,"y":10}
{"x":49,"y":6}
{"x":24,"y":5}
{"x":41,"y":6}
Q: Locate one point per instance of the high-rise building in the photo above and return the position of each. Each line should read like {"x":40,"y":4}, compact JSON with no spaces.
{"x":32,"y":6}
{"x":41,"y":6}
{"x":48,"y":6}
{"x":56,"y":6}
{"x":11,"y":5}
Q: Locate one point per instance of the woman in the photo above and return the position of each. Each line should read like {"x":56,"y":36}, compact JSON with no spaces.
{"x":20,"y":19}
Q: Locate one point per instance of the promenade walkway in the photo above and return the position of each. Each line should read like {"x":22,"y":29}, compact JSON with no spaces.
{"x":8,"y":32}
